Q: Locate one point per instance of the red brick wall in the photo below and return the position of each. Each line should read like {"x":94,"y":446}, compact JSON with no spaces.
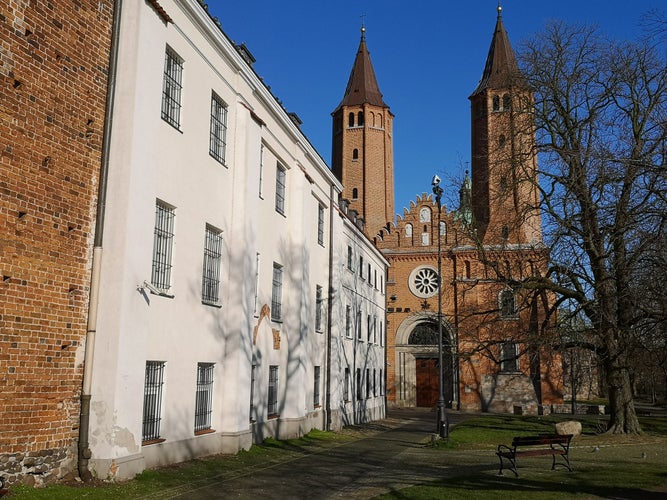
{"x":53,"y":77}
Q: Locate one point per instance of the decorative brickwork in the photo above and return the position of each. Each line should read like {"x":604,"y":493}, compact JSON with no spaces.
{"x":53,"y":67}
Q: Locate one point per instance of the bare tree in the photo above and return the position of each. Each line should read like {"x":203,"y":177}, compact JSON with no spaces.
{"x":601,"y":120}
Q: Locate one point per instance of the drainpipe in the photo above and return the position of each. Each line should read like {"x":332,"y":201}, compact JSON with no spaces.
{"x":84,"y":418}
{"x":327,"y":404}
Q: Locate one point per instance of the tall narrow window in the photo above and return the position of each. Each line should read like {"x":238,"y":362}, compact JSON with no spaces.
{"x":359,"y":394}
{"x":360,"y":118}
{"x":348,"y":321}
{"x":509,"y":357}
{"x":272,"y":407}
{"x":355,"y":154}
{"x":350,"y":120}
{"x":218,"y":138}
{"x":350,"y":266}
{"x":253,"y":371}
{"x":507,"y":304}
{"x":204,"y":396}
{"x":320,"y":224}
{"x":256,"y":281}
{"x":171,"y":88}
{"x":281,"y":184}
{"x":381,"y":383}
{"x":369,"y":328}
{"x":276,"y":292}
{"x":507,"y":102}
{"x":358,"y":326}
{"x":153,"y":383}
{"x":361,"y":266}
{"x":210,"y":290}
{"x":316,"y":387}
{"x":319,"y":306}
{"x":374,"y":383}
{"x":163,"y":242}
{"x":355,"y":193}
{"x":346,"y":385}
{"x":261,"y":171}
{"x":368,"y":383}
{"x":496,"y":103}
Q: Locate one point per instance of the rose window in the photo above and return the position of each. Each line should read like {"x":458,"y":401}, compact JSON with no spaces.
{"x":424,"y":282}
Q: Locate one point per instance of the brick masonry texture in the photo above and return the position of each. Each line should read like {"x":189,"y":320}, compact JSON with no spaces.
{"x":53,"y":79}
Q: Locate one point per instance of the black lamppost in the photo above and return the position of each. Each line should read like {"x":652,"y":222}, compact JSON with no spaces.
{"x":443,"y":426}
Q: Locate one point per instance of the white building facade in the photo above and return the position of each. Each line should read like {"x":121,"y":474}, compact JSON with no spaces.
{"x":237,"y":299}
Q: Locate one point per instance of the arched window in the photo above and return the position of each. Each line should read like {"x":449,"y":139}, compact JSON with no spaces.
{"x":355,"y":193}
{"x":443,"y":229}
{"x":350,"y":120}
{"x":378,"y":123}
{"x":507,"y":102}
{"x":501,"y":141}
{"x":360,"y":118}
{"x":507,"y":304}
{"x":496,"y":103}
{"x":506,"y":232}
{"x":355,"y":154}
{"x":408,"y":230}
{"x":424,"y":334}
{"x":509,"y":357}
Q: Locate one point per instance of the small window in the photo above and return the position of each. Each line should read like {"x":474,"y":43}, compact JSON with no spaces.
{"x":443,"y":229}
{"x":171,"y":88}
{"x":501,"y":141}
{"x":496,"y":103}
{"x":505,"y":232}
{"x":358,"y":326}
{"x":218,"y":134}
{"x":346,"y":385}
{"x":320,"y":224}
{"x":360,"y":118}
{"x":361,"y":266}
{"x":272,"y":407}
{"x":507,"y":102}
{"x":355,"y":193}
{"x":355,"y":154}
{"x":350,"y":266}
{"x":276,"y":292}
{"x":316,"y":387}
{"x":359,"y":394}
{"x":408,"y":230}
{"x":467,"y":269}
{"x":154,"y":380}
{"x":281,"y":184}
{"x":204,"y":396}
{"x":509,"y":357}
{"x":368,"y":383}
{"x":348,"y":321}
{"x":507,"y":304}
{"x":350,"y":120}
{"x":319,"y":308}
{"x":210,"y":289}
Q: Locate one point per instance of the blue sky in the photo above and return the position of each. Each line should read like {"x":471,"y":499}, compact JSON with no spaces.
{"x":428,"y":57}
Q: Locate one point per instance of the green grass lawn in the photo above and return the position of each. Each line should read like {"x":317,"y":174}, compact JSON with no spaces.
{"x":604,"y":466}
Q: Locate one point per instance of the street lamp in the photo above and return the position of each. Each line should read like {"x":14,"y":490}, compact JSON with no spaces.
{"x":442,"y":424}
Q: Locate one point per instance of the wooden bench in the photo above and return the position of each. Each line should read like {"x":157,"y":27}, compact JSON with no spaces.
{"x":555,"y":445}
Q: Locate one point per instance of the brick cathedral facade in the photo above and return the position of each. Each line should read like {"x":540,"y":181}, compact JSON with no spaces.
{"x":497,"y":350}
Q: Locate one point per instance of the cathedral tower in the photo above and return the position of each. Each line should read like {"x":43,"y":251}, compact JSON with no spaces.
{"x":362,"y":149}
{"x":504,"y":160}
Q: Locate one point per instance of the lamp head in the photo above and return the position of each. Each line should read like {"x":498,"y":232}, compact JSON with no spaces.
{"x":435,"y":181}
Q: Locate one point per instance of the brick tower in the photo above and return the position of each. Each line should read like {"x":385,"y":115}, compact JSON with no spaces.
{"x":504,"y":159}
{"x":362,"y":148}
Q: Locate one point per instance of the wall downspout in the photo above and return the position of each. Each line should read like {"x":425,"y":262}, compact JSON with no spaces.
{"x":327,"y":404}
{"x":91,"y":326}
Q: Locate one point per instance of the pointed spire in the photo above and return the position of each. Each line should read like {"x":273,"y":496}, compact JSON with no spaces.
{"x":501,"y":69}
{"x":362,"y":87}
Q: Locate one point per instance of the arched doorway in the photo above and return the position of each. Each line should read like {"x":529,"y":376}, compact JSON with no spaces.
{"x":426,"y":365}
{"x":416,"y":361}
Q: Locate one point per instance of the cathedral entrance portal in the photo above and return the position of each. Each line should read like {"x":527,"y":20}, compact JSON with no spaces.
{"x":417,"y":362}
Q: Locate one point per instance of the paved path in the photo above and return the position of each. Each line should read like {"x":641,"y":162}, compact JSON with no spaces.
{"x":389,"y":456}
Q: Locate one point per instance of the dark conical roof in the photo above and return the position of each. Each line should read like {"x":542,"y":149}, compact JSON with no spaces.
{"x":362,"y":87}
{"x":501,"y":69}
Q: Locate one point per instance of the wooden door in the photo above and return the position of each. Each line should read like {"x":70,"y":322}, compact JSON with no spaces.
{"x":427,"y":381}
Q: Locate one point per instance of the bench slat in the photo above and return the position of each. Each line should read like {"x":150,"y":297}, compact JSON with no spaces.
{"x":543,"y":444}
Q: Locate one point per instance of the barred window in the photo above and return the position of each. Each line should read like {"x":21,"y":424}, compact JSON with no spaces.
{"x":273,"y":391}
{"x":154,"y":380}
{"x":316,"y":387}
{"x":171,"y":88}
{"x":348,"y":321}
{"x":319,"y":307}
{"x":210,"y":291}
{"x":204,"y":396}
{"x":163,"y":243}
{"x":276,"y":292}
{"x":281,"y":184}
{"x":218,"y":139}
{"x":320,"y":225}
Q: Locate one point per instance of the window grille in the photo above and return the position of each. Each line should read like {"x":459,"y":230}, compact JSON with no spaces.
{"x":281,"y":183}
{"x":319,"y":306}
{"x":218,"y":139}
{"x":204,"y":396}
{"x":320,"y":225}
{"x":316,"y":388}
{"x":273,"y":390}
{"x":171,"y":88}
{"x":162,"y":246}
{"x":276,"y":292}
{"x":153,"y":383}
{"x":211,"y":268}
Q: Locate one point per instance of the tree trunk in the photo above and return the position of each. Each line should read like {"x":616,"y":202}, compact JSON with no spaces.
{"x":623,"y":418}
